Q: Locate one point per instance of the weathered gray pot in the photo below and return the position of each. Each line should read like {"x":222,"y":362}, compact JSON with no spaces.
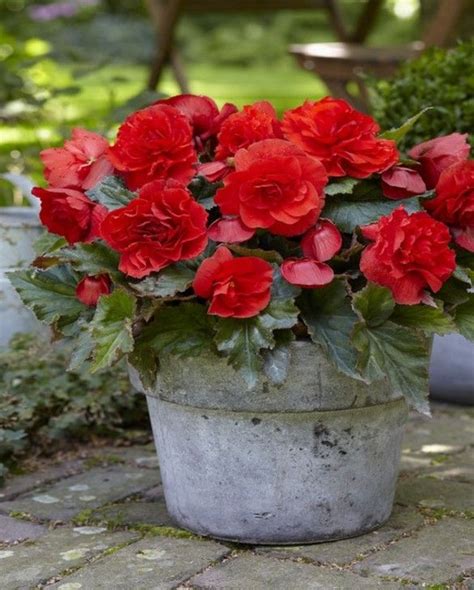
{"x":312,"y":460}
{"x":452,"y":369}
{"x":19,"y":229}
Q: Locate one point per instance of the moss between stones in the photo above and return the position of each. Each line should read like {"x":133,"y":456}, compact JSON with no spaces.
{"x":439,"y":513}
{"x":164,"y":531}
{"x":101,"y":460}
{"x":84,"y":518}
{"x":21,"y":515}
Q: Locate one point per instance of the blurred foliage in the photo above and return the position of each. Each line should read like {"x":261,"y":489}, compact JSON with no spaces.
{"x":440,"y":78}
{"x":89,"y":68}
{"x":43,"y":406}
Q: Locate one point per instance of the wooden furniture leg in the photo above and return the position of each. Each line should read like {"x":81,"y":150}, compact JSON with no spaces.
{"x":165,"y":17}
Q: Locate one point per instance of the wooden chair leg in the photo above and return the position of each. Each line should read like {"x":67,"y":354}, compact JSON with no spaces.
{"x":179,"y":71}
{"x":165,"y":19}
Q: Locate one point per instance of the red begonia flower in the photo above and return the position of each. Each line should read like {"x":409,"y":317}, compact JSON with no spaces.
{"x":275,"y":186}
{"x":410,"y":253}
{"x":237,"y":287}
{"x":343,"y":139}
{"x":81,"y":163}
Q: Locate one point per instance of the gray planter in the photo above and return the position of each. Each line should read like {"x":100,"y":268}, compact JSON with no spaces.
{"x":452,"y":369}
{"x":19,"y":229}
{"x":312,"y":460}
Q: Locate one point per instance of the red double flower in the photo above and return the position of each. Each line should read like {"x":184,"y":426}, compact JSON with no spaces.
{"x":203,"y":115}
{"x":409,"y":254}
{"x":254,"y":123}
{"x":275,"y":186}
{"x":454,"y":202}
{"x":439,"y":153}
{"x":80,"y":163}
{"x":343,"y":139}
{"x":69,"y":213}
{"x":163,"y":225}
{"x":155,"y":143}
{"x":237,"y":287}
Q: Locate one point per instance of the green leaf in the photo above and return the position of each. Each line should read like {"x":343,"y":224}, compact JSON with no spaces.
{"x":93,"y":259}
{"x":242,"y":340}
{"x":399,"y":133}
{"x":431,"y":320}
{"x":276,"y":361}
{"x":344,"y":186}
{"x":281,"y":289}
{"x":111,"y":193}
{"x":171,"y":280}
{"x":51,"y":293}
{"x":399,"y":354}
{"x":279,"y":314}
{"x":348,"y":215}
{"x":268,"y":255}
{"x":144,"y":360}
{"x":465,"y":275}
{"x":111,"y":328}
{"x":48,"y":243}
{"x":204,"y":191}
{"x":374,"y":304}
{"x":329,"y":317}
{"x":464,"y":318}
{"x":453,"y":292}
{"x":182,"y":330}
{"x":83,"y":349}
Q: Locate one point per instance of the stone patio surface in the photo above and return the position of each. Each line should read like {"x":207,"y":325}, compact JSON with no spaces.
{"x":101,"y":523}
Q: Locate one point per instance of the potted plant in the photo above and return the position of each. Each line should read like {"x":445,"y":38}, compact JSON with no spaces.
{"x":274,"y":285}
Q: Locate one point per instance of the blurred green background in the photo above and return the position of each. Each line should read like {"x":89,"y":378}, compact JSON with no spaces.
{"x":77,"y":62}
{"x":79,"y":69}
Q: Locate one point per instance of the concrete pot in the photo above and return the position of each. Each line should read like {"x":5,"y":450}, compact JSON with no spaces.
{"x":452,"y":369}
{"x":19,"y":229}
{"x":313,"y":460}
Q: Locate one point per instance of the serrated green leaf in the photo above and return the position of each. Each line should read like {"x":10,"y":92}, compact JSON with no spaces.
{"x":329,"y":317}
{"x":111,"y":193}
{"x":281,"y":289}
{"x":93,"y":259}
{"x":464,"y":274}
{"x":50,"y":294}
{"x":242,"y":340}
{"x":279,"y":314}
{"x":374,"y":304}
{"x":348,"y":215}
{"x":111,"y":328}
{"x":204,"y":191}
{"x":48,"y":243}
{"x":430,"y":320}
{"x":182,"y":330}
{"x":171,"y":280}
{"x":268,"y":255}
{"x":83,"y":348}
{"x":399,"y":133}
{"x":276,"y":361}
{"x":144,"y":360}
{"x":464,"y":318}
{"x":453,"y":292}
{"x":399,"y":354}
{"x":344,"y":186}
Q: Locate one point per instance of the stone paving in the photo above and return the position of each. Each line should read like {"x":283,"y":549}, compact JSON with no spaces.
{"x":101,"y":523}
